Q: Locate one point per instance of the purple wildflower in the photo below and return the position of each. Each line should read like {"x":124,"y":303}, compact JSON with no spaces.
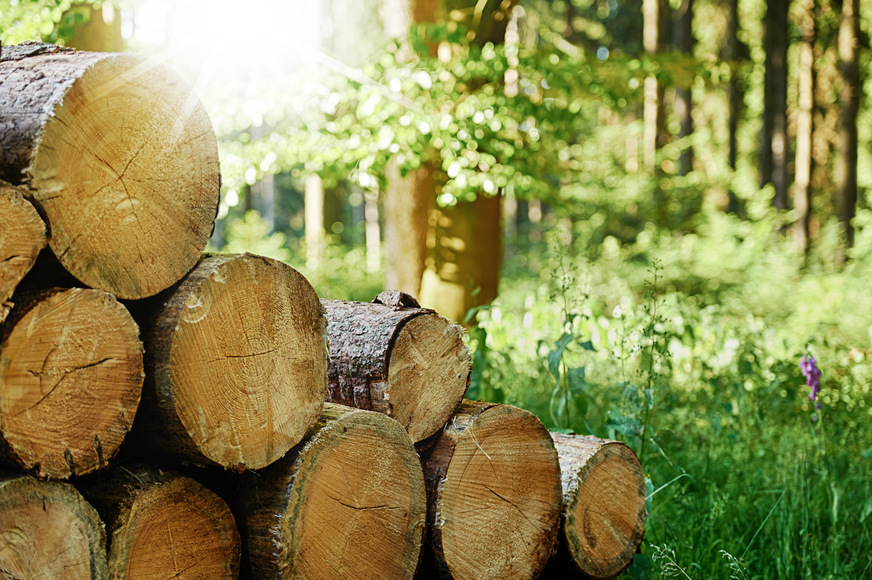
{"x":812,"y":373}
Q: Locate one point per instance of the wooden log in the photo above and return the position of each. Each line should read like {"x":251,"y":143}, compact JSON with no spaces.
{"x":22,"y":237}
{"x":493,"y":493}
{"x":48,"y":531}
{"x":348,"y":502}
{"x":119,"y":158}
{"x":236,"y":364}
{"x":393,"y":357}
{"x":603,"y":504}
{"x":71,"y":376}
{"x":164,"y":525}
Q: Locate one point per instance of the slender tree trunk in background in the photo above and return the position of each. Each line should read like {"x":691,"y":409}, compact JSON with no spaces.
{"x":773,"y":149}
{"x":734,"y":52}
{"x":314,"y":208}
{"x":846,"y":173}
{"x":465,"y":246}
{"x":684,"y":42}
{"x":653,"y":138}
{"x":101,"y":30}
{"x":408,"y":199}
{"x":804,"y":128}
{"x":372,"y":232}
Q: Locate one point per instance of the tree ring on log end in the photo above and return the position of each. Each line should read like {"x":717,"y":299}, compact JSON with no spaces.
{"x":428,"y":371}
{"x":605,"y":518}
{"x":71,"y":375}
{"x":358,"y":504}
{"x":126,"y":175}
{"x":248,"y":362}
{"x":48,"y":531}
{"x":501,"y":497}
{"x":175,"y":527}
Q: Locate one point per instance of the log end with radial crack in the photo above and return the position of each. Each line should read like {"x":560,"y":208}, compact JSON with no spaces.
{"x":493,"y":493}
{"x":348,"y":502}
{"x":22,"y":237}
{"x":47,"y":530}
{"x":120,"y":159}
{"x":236,"y":361}
{"x":71,"y":375}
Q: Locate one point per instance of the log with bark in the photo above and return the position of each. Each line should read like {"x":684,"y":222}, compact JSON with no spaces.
{"x":348,"y":502}
{"x":118,"y":156}
{"x":493,"y":493}
{"x":236,"y":363}
{"x":48,"y":531}
{"x":604,"y":504}
{"x":71,"y":375}
{"x":396,"y":358}
{"x":22,"y":237}
{"x":163,"y":525}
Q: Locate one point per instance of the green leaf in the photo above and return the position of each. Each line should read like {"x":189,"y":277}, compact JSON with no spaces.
{"x":556,"y":355}
{"x":627,"y":426}
{"x":577,"y":382}
{"x":587,"y":345}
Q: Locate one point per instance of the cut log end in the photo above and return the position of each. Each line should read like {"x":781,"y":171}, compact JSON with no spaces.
{"x":48,"y":531}
{"x":428,"y":372}
{"x":22,"y":237}
{"x":497,"y":507}
{"x":357,"y":505}
{"x":174,"y":528}
{"x":604,"y":496}
{"x":126,"y":174}
{"x":246,"y":366}
{"x":71,"y":377}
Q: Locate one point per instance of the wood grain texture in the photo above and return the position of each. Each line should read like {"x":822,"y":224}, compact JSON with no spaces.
{"x":348,"y":502}
{"x":236,"y":363}
{"x":22,"y":237}
{"x":71,"y":375}
{"x":119,"y":158}
{"x":604,"y":504}
{"x":48,"y":531}
{"x":164,"y":525}
{"x":493,"y":493}
{"x":393,"y":357}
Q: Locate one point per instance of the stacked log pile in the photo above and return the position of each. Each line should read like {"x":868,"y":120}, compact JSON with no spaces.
{"x":165,"y":413}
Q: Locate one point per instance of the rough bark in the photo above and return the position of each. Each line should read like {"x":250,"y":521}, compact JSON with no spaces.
{"x":120,"y":159}
{"x":850,"y":93}
{"x":463,"y":269}
{"x":71,"y":375}
{"x":603,"y":516}
{"x":774,"y":145}
{"x":493,"y":494}
{"x":348,"y":502}
{"x":393,"y":357}
{"x":48,"y":531}
{"x":236,"y":363}
{"x":164,"y":525}
{"x":22,"y":237}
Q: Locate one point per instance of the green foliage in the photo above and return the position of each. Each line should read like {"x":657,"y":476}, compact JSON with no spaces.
{"x":22,"y":20}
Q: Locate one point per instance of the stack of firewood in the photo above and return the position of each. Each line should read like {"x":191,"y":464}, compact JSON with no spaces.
{"x":163,"y":414}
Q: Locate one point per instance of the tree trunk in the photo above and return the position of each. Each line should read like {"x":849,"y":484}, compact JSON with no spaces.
{"x":407,"y":203}
{"x":236,"y":363}
{"x":846,"y":163}
{"x":164,"y":525}
{"x":70,"y":381}
{"x":805,"y":129}
{"x":408,"y":199}
{"x":463,"y":269}
{"x":101,"y":30}
{"x":773,"y":148}
{"x":314,"y":202}
{"x":603,"y":504}
{"x":683,"y":39}
{"x":393,"y":357}
{"x":734,"y":52}
{"x":348,"y":502}
{"x":48,"y":531}
{"x":654,"y":134}
{"x":493,"y":493}
{"x":22,"y":237}
{"x":120,"y":159}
